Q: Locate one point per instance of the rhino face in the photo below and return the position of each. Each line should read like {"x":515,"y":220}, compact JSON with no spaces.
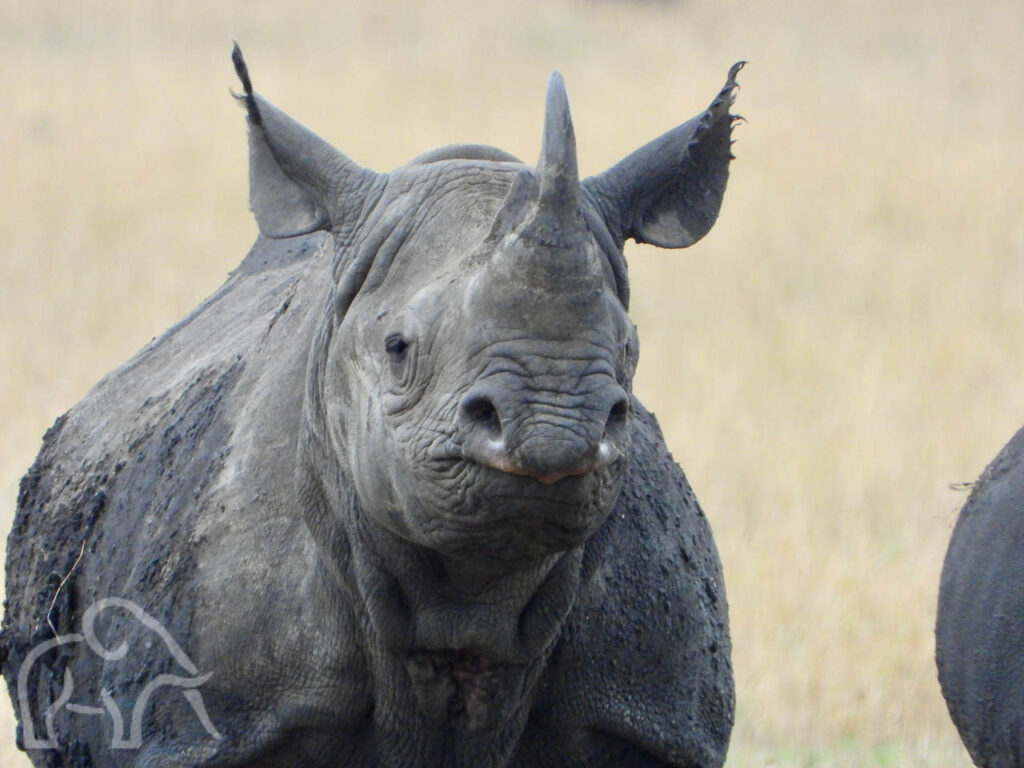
{"x":470,"y":387}
{"x":491,"y":387}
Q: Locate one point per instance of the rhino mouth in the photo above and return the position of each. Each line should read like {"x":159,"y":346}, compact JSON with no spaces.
{"x":494,"y":453}
{"x":471,"y":510}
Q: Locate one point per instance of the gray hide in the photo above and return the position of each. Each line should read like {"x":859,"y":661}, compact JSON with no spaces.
{"x":388,"y":488}
{"x":980,"y":628}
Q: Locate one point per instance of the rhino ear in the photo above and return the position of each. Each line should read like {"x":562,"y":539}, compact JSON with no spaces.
{"x":298,"y":183}
{"x":669,"y":191}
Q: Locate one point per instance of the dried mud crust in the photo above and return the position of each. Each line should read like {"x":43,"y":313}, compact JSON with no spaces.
{"x":80,"y":516}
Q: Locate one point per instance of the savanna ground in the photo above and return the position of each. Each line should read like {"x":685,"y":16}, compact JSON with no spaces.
{"x":838,"y":352}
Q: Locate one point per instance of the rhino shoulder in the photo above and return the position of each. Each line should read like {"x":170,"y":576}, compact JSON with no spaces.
{"x":642,"y":674}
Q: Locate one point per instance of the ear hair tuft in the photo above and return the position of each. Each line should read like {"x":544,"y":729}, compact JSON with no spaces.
{"x":247,"y":98}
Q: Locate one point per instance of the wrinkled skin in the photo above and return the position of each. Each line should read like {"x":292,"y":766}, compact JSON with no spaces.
{"x":980,"y":628}
{"x":462,"y":337}
{"x":388,"y":488}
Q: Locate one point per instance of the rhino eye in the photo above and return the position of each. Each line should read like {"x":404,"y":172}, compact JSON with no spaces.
{"x":401,"y":361}
{"x":396,"y":347}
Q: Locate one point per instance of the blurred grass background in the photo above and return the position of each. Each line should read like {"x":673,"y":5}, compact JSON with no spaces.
{"x":841,"y":349}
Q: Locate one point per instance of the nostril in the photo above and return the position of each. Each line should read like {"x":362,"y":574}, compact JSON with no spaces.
{"x":479,"y":411}
{"x":618,"y":413}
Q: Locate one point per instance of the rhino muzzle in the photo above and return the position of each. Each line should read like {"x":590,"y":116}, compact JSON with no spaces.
{"x":521,"y":434}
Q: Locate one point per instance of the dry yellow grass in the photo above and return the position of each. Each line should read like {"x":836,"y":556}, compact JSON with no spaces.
{"x":837,"y":352}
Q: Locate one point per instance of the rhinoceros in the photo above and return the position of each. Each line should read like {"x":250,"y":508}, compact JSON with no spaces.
{"x":979,"y":632}
{"x":388,"y":488}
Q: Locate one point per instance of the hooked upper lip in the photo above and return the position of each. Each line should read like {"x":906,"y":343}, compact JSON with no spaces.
{"x":547,"y":468}
{"x":545,"y":430}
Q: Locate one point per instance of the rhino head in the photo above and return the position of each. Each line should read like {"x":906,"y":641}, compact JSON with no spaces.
{"x":469,"y":388}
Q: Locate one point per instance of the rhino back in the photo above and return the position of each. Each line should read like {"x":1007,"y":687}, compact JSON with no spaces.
{"x":980,"y":626}
{"x":131,"y":484}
